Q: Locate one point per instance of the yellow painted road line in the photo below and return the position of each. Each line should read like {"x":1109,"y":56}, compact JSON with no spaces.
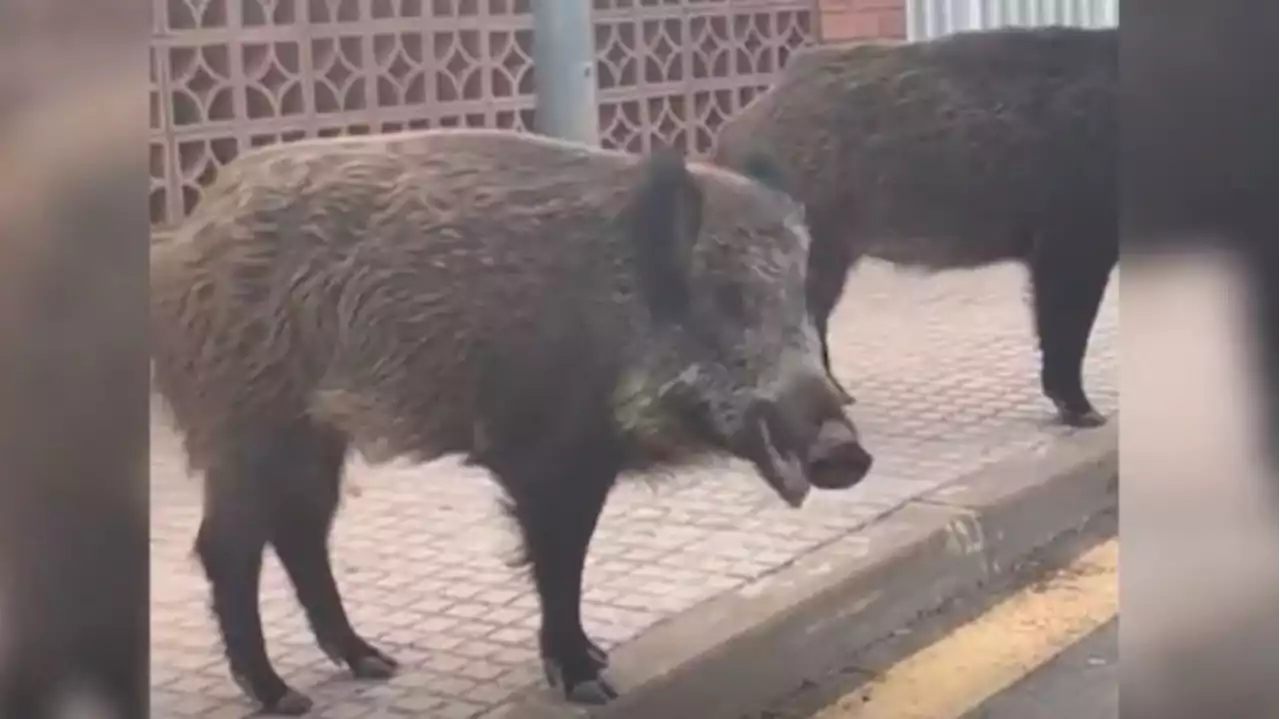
{"x":980,"y":659}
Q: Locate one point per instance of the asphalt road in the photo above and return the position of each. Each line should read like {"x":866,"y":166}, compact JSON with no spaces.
{"x":1081,"y":683}
{"x":1039,"y":643}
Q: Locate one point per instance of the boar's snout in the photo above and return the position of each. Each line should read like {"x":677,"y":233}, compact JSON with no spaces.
{"x":836,"y":458}
{"x":801,"y":438}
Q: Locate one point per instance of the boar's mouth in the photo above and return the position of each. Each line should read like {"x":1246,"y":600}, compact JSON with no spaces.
{"x":832,"y":459}
{"x":791,"y":459}
{"x":768,"y":444}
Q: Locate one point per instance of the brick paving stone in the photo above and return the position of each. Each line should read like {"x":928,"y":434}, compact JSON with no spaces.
{"x":946,"y":374}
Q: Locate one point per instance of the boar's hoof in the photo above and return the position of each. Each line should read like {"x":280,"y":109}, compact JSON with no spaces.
{"x":1080,"y":417}
{"x":276,"y":699}
{"x":594,"y":692}
{"x":292,"y":704}
{"x":842,"y":394}
{"x":846,"y":399}
{"x":591,"y":690}
{"x":599,"y":656}
{"x":374,"y":666}
{"x":364,"y":661}
{"x":1084,"y":420}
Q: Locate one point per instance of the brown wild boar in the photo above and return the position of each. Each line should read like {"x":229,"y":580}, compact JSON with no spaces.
{"x":955,"y":153}
{"x":555,"y":313}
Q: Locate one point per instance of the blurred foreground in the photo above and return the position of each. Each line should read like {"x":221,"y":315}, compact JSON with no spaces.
{"x":1198,"y":442}
{"x":73,"y":368}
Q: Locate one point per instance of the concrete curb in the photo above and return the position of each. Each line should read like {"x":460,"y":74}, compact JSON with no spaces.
{"x":728,"y":655}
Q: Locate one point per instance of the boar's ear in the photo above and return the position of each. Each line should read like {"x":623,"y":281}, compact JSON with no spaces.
{"x":665,"y":221}
{"x":761,"y":168}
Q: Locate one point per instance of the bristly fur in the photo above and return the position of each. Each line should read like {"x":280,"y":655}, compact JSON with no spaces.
{"x":956,"y":152}
{"x":265,"y":306}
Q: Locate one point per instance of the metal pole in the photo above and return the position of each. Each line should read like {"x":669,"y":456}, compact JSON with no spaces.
{"x":564,"y":70}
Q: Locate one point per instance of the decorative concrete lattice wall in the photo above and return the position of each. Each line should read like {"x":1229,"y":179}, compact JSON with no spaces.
{"x":228,"y":75}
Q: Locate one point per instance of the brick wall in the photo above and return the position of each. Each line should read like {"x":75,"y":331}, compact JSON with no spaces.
{"x":844,"y":20}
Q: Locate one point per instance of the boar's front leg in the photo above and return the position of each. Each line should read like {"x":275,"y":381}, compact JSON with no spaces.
{"x":831,"y":259}
{"x":820,"y":322}
{"x":557,"y":499}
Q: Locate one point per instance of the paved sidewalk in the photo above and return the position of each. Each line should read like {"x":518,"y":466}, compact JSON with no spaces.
{"x":945,"y":372}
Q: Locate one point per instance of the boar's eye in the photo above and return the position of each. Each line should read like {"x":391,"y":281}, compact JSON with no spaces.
{"x":731,"y":301}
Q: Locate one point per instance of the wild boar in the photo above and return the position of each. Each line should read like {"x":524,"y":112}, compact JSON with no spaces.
{"x":555,"y":313}
{"x":955,"y":153}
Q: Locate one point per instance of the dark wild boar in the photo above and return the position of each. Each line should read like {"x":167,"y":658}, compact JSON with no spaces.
{"x":955,"y":153}
{"x":556,"y":314}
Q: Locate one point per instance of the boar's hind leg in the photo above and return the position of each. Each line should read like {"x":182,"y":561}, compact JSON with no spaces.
{"x":230,"y":541}
{"x":557,"y":504}
{"x":1069,"y":277}
{"x":307,"y":492}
